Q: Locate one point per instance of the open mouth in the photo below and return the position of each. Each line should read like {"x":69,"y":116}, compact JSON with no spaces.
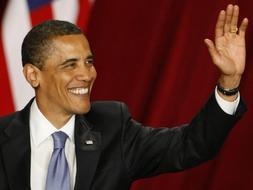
{"x":79,"y":91}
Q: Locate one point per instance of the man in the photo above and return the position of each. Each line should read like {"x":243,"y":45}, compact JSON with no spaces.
{"x":103,"y":147}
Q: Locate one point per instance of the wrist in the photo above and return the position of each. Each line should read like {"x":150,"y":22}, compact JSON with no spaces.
{"x":227,"y":91}
{"x":229,"y":82}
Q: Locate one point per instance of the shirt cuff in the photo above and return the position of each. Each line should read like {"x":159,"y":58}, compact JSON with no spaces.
{"x":226,"y":106}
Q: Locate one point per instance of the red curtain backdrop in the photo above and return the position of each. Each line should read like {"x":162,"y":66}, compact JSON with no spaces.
{"x":151,"y":55}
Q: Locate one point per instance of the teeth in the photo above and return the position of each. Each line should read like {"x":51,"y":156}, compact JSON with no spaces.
{"x":79,"y":91}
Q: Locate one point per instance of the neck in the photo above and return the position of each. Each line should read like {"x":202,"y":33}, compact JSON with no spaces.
{"x":56,"y":118}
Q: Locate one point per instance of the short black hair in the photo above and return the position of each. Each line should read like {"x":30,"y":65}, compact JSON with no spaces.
{"x":36,"y":44}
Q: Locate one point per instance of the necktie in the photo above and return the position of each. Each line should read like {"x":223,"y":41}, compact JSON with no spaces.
{"x":58,"y":171}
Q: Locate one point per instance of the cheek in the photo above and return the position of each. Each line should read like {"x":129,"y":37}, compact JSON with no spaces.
{"x":60,"y":82}
{"x":47,"y":82}
{"x":94,"y":73}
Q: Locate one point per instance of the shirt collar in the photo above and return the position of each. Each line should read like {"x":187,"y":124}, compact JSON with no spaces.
{"x":41,"y":128}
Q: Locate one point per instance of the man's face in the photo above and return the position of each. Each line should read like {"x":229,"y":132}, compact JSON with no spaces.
{"x":67,"y":76}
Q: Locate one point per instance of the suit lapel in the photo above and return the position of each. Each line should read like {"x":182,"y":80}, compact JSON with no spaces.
{"x":88,"y":149}
{"x":16,"y":150}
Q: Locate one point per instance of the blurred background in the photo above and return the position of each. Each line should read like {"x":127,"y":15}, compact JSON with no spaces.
{"x":151,"y":55}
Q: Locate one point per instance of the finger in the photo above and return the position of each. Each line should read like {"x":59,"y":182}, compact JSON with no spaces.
{"x":220,"y":24}
{"x":243,"y":27}
{"x":229,"y":13}
{"x":212,"y":50}
{"x":235,"y":17}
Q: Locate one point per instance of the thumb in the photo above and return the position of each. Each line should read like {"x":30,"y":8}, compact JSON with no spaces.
{"x":212,"y":50}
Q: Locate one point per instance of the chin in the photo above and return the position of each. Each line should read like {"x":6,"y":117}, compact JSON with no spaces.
{"x":82,"y":110}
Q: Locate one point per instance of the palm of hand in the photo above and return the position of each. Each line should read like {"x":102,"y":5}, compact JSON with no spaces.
{"x":231,"y":54}
{"x":228,"y":52}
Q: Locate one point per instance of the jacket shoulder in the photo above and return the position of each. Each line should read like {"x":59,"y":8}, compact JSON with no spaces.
{"x":108,"y":107}
{"x":108,"y":113}
{"x":6,"y":120}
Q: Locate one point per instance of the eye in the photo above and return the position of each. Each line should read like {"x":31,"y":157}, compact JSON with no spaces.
{"x":89,"y":61}
{"x":70,"y":65}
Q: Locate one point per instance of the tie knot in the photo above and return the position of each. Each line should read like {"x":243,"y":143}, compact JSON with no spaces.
{"x":59,"y":139}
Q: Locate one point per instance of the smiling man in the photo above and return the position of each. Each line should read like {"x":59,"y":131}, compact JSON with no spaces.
{"x":62,"y":141}
{"x":64,"y":82}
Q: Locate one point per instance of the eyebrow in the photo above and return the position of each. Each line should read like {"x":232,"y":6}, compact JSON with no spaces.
{"x":90,"y":57}
{"x":68,"y":61}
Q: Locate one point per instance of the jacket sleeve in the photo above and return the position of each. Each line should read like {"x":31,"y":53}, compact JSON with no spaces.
{"x":151,"y":151}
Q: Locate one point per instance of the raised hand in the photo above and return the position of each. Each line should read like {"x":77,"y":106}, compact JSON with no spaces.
{"x":228,"y":51}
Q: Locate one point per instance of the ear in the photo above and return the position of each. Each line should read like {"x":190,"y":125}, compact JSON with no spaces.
{"x":31,"y":74}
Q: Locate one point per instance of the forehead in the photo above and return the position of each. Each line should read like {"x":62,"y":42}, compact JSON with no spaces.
{"x":69,"y":43}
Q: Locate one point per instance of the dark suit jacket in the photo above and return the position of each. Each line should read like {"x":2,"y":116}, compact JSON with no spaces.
{"x":123,"y":149}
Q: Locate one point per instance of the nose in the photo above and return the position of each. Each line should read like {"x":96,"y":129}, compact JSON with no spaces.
{"x":86,"y":73}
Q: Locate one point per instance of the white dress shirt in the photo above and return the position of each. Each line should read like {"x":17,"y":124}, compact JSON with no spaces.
{"x":42,"y":147}
{"x":42,"y":142}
